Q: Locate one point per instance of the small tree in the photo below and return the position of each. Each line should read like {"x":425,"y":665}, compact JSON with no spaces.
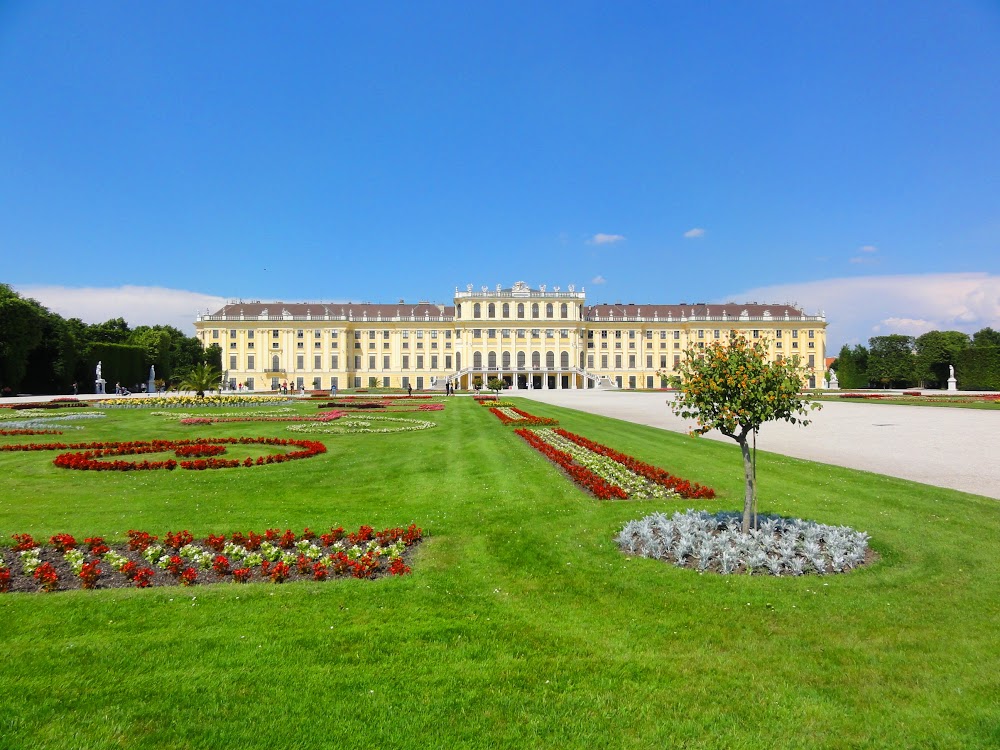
{"x":496,"y":385}
{"x":734,"y":389}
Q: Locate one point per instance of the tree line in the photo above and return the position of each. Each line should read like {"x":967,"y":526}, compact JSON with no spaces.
{"x":42,"y":352}
{"x":898,"y":361}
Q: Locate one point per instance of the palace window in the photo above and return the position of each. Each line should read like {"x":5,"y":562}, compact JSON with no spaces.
{"x":250,"y":362}
{"x":491,"y":310}
{"x":477,"y":310}
{"x":549,"y":311}
{"x":506,"y":310}
{"x":564,"y":310}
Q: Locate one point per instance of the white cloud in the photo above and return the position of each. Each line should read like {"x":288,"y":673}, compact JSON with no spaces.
{"x":694,"y":233}
{"x":598,"y":280}
{"x":859,"y":308}
{"x":605,"y":239}
{"x":139,"y":305}
{"x":867,"y":249}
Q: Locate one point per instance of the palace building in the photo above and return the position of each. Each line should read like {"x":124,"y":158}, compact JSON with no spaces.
{"x":530,"y":338}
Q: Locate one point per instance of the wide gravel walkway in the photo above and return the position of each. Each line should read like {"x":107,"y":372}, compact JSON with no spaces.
{"x":946,"y":447}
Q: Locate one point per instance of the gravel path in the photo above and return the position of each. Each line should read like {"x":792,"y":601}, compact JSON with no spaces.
{"x":946,"y":447}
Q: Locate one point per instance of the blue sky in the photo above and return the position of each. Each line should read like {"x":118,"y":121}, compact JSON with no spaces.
{"x":157,"y":159}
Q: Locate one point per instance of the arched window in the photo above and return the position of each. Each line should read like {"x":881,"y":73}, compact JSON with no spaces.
{"x":491,"y":311}
{"x":549,"y":310}
{"x":536,"y":360}
{"x":564,"y":360}
{"x":534,"y":310}
{"x":506,"y":310}
{"x":520,"y":309}
{"x":506,"y":360}
{"x":477,"y":310}
{"x":520,"y":360}
{"x":492,"y":359}
{"x":564,"y":310}
{"x":550,"y":360}
{"x":275,"y":363}
{"x":477,"y":360}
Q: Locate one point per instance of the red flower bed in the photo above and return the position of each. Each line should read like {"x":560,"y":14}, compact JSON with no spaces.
{"x":90,"y":458}
{"x":131,"y":564}
{"x":579,"y":474}
{"x":525,"y":420}
{"x":682,"y":487}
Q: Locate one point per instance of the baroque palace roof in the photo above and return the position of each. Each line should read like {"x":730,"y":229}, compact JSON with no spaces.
{"x":431,"y":312}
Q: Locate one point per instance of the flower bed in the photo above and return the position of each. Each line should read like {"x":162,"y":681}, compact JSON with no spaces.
{"x":179,"y":559}
{"x":178,"y":415}
{"x":324,"y":417}
{"x":368,"y":423}
{"x":714,"y":543}
{"x":388,"y":407}
{"x":589,"y":480}
{"x":174,"y":402}
{"x":607,"y":473}
{"x":511,"y":415}
{"x":682,"y":487}
{"x":91,"y":455}
{"x":55,"y":403}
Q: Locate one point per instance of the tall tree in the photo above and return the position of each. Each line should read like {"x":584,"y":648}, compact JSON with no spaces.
{"x":891,"y":360}
{"x":935,"y":351}
{"x":986,"y":337}
{"x":21,"y":327}
{"x":114,"y":331}
{"x":734,"y":388}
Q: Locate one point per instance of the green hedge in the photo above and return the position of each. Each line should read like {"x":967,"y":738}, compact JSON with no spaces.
{"x":978,"y":368}
{"x":120,"y":363}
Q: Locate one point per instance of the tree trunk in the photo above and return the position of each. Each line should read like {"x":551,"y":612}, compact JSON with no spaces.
{"x":750,"y":489}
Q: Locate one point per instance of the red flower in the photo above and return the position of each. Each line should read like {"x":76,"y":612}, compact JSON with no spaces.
{"x":89,"y":574}
{"x":47,"y":576}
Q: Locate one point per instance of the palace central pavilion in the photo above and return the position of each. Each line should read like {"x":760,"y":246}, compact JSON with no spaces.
{"x":530,"y":338}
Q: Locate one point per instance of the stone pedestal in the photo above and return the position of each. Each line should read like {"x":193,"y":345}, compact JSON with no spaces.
{"x":99,"y":386}
{"x":834,"y":385}
{"x":952,"y":384}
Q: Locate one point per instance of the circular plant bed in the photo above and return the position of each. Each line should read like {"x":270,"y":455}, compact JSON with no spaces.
{"x":713,"y":543}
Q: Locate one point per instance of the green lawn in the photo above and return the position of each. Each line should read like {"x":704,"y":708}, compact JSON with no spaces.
{"x":952,"y":402}
{"x":521,"y":625}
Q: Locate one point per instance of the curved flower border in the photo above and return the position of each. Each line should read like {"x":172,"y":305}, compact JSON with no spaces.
{"x":92,"y":453}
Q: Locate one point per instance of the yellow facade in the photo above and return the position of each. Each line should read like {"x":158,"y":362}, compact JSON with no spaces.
{"x":531,"y":338}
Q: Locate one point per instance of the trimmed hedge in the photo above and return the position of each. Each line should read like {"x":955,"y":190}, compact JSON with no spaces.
{"x":978,"y":368}
{"x":120,"y":363}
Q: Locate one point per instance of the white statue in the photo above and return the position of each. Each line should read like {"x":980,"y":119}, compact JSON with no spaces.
{"x":951,"y":371}
{"x":98,"y":369}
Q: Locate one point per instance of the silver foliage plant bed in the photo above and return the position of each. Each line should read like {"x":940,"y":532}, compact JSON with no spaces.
{"x":714,"y":543}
